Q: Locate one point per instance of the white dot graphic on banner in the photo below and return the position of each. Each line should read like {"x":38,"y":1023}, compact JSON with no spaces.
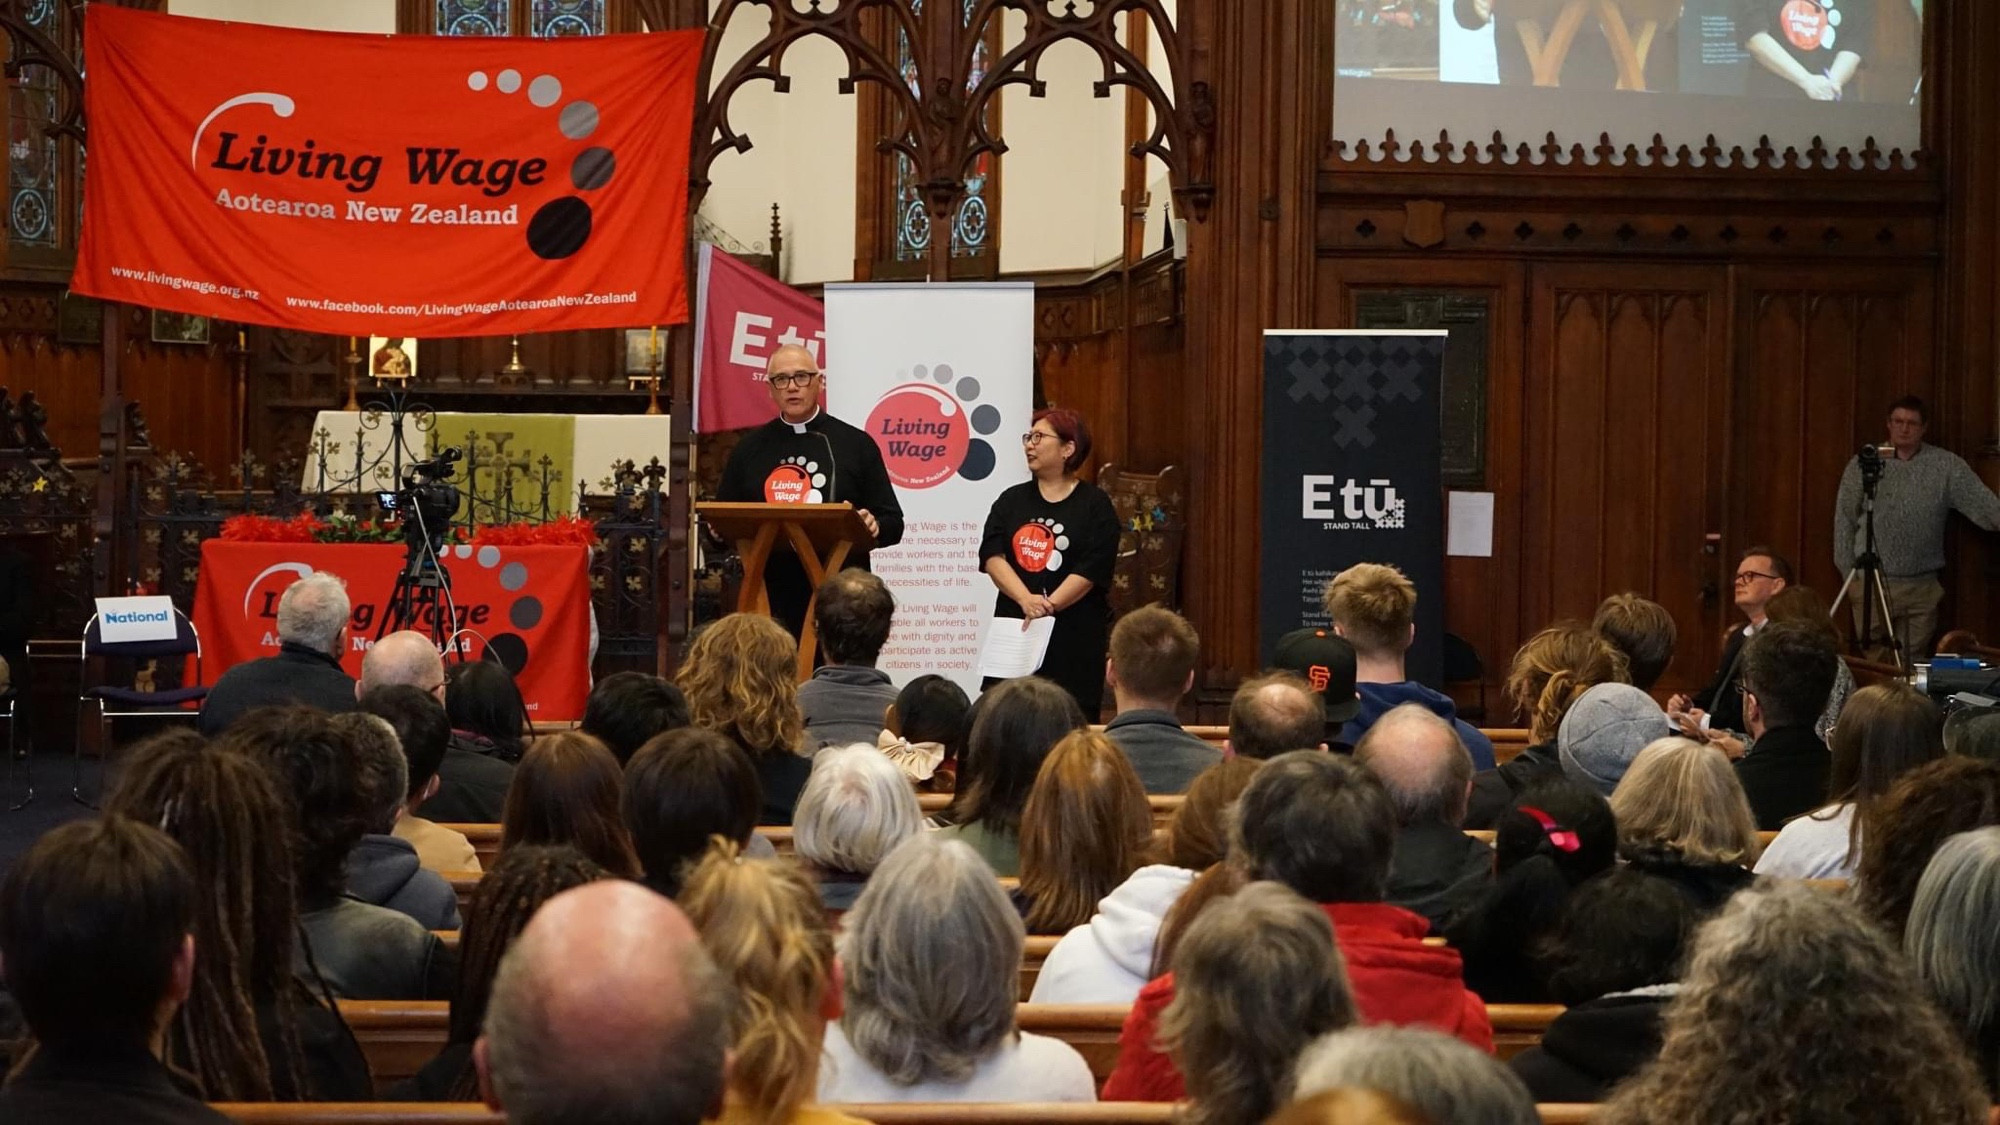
{"x":544,"y":90}
{"x":477,"y":80}
{"x":508,"y":81}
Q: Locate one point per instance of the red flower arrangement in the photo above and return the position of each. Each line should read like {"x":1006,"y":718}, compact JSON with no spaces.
{"x":563,"y":531}
{"x":303,"y":528}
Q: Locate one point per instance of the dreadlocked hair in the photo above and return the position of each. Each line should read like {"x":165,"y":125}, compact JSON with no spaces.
{"x":225,"y":813}
{"x":519,"y":882}
{"x":763,"y":923}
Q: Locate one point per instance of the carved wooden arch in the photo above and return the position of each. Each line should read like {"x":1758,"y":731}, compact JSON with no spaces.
{"x":942,"y":126}
{"x":27,"y":46}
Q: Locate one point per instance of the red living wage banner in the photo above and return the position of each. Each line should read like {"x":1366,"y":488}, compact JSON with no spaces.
{"x":528,"y":606}
{"x":386,"y":185}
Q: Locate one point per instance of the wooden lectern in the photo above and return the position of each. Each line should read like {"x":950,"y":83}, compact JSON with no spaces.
{"x":822,"y":535}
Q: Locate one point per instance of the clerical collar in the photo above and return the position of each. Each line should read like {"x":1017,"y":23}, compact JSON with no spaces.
{"x":800,"y":427}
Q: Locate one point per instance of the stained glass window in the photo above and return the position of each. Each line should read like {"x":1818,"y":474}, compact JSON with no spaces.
{"x":541,"y":19}
{"x":34,"y":159}
{"x":555,"y":18}
{"x":972,"y":226}
{"x":472,"y":17}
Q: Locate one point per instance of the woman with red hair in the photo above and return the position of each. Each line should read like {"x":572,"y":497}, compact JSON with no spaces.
{"x":1049,"y":546}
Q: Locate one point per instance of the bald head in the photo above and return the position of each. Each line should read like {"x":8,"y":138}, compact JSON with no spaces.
{"x":406,"y":659}
{"x":1274,"y":714}
{"x":606,"y":1010}
{"x":1422,"y":763}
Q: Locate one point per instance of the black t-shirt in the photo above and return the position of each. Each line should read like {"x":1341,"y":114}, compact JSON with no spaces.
{"x":1813,"y":32}
{"x":1046,"y":543}
{"x":823,"y":461}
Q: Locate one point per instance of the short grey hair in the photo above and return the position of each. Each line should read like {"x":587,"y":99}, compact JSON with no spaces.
{"x":673,"y":1077}
{"x":854,"y":810}
{"x":1953,"y":936}
{"x":933,"y":958}
{"x":1422,"y":763}
{"x":1973,"y":733}
{"x":1255,"y":980}
{"x":1443,"y":1078}
{"x":313,"y":611}
{"x":382,"y":770}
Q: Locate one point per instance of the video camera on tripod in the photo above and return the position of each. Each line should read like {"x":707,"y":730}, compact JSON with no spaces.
{"x":427,"y":502}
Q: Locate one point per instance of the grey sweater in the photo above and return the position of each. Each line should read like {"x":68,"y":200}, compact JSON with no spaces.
{"x":1911,"y":506}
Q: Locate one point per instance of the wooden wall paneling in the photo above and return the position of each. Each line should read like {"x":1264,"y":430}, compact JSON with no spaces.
{"x":1624,"y":425}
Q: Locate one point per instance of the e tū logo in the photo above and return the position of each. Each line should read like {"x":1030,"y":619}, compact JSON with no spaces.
{"x":1352,"y":504}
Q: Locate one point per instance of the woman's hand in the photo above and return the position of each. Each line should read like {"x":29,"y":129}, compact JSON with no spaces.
{"x":1034,"y":606}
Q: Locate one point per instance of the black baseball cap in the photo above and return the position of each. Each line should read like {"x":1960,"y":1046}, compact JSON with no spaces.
{"x":1327,"y":662}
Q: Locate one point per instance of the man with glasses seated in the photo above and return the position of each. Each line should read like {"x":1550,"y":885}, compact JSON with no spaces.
{"x":806,"y":456}
{"x":1760,"y":574}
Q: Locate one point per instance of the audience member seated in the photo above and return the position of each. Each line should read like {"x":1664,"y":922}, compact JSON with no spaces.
{"x":1761,"y":574}
{"x":1924,"y":808}
{"x":486,"y":708}
{"x":924,"y":732}
{"x":472,"y":786}
{"x":1642,"y":631}
{"x":364,"y":952}
{"x":1256,"y":979}
{"x":1085,"y":829}
{"x":1326,"y":828}
{"x":932,"y":955}
{"x":312,"y":636}
{"x":1154,"y":652}
{"x":682,"y":788}
{"x":423,"y":731}
{"x":1803,"y":604}
{"x":1438,"y":1076}
{"x":97,"y":946}
{"x":1787,"y":673}
{"x":568,"y":789}
{"x":522,"y":879}
{"x":382,"y":869}
{"x":626,"y":710}
{"x":1973,"y":733}
{"x":1794,"y":1008}
{"x":856,"y":808}
{"x":1017,"y":724}
{"x":1885,"y":731}
{"x":1682,"y":817}
{"x":606,"y":1010}
{"x":762,"y":923}
{"x":1276,"y":713}
{"x":1109,"y":958}
{"x":739,"y":679}
{"x":1350,"y":1105}
{"x":1604,"y":730}
{"x":1327,"y":663}
{"x":1438,"y":870}
{"x":1614,"y":960}
{"x":252,"y":1029}
{"x":1953,"y":942}
{"x":848,"y":697}
{"x":1375,"y":608}
{"x":1549,"y":674}
{"x":1557,"y":835}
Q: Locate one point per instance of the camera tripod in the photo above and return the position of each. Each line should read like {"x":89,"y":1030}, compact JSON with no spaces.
{"x":1874,"y":594}
{"x":423,"y":590}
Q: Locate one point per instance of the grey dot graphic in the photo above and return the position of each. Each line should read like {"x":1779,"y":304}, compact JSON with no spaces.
{"x":489,"y":557}
{"x":577,"y":120}
{"x":985,"y":419}
{"x":464,"y":550}
{"x":513,"y":576}
{"x":477,"y":80}
{"x":592,"y":168}
{"x":508,"y":81}
{"x":920,"y":371}
{"x":544,"y":90}
{"x":942,"y":373}
{"x":525,"y":613}
{"x":968,"y":389}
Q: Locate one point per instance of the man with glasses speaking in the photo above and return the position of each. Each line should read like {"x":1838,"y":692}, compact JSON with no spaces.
{"x":1760,"y":574}
{"x":807,"y":456}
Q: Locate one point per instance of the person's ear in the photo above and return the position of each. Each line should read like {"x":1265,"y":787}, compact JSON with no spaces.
{"x":892,"y":722}
{"x":831,"y":1002}
{"x":479,"y":1063}
{"x":1110,"y":674}
{"x":1413,"y":633}
{"x":181,"y":982}
{"x":431,"y":788}
{"x":1187,"y":685}
{"x":357,"y":691}
{"x":722,"y":1090}
{"x":1228,"y":751}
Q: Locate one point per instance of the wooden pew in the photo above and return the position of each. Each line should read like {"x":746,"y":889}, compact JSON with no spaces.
{"x":909,"y":1113}
{"x":1517,"y":1027}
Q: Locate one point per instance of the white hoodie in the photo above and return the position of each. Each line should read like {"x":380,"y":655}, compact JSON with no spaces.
{"x":1106,"y":960}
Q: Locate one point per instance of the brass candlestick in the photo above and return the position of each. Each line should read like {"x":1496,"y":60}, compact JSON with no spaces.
{"x":653,"y":393}
{"x":516,"y":372}
{"x":353,"y":375}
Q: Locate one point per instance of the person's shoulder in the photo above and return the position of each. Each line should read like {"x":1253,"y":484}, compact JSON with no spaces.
{"x":1049,"y":1061}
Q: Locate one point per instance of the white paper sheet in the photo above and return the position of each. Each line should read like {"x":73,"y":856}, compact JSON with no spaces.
{"x":1013,"y":651}
{"x":1470,"y":525}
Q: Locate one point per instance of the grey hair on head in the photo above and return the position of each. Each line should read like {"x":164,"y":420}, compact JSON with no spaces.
{"x":1443,"y":1078}
{"x":1953,"y":938}
{"x":933,"y":958}
{"x":1422,"y":763}
{"x":854,"y":810}
{"x":313,"y":611}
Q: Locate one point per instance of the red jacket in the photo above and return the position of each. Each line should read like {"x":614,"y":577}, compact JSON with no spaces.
{"x":1396,"y":979}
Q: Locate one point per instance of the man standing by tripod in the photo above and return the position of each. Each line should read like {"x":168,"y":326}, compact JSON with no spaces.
{"x":1918,"y":487}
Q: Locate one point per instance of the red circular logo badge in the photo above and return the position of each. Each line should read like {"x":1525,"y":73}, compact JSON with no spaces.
{"x":1033,"y":543}
{"x":787,"y":484}
{"x":923,"y":434}
{"x":1804,"y":23}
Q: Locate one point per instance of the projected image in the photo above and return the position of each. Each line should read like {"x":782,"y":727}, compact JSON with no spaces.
{"x":1576,"y":44}
{"x":1387,"y":39}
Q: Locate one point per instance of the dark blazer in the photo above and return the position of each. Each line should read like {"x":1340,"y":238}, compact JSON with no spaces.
{"x":472,"y":787}
{"x":1785,"y":774}
{"x":1592,"y":1047}
{"x":1438,"y":871}
{"x":296,"y":675}
{"x":1494,"y":790}
{"x":1164,"y":755}
{"x":1720,"y":698}
{"x":103,"y":1082}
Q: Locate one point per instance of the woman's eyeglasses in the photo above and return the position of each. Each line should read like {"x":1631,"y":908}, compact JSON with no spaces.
{"x":1033,"y":436}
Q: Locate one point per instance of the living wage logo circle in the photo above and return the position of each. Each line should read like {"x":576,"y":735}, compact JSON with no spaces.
{"x":933,"y":428}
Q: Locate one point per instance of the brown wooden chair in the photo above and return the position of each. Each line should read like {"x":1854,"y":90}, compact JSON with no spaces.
{"x":1150,"y":510}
